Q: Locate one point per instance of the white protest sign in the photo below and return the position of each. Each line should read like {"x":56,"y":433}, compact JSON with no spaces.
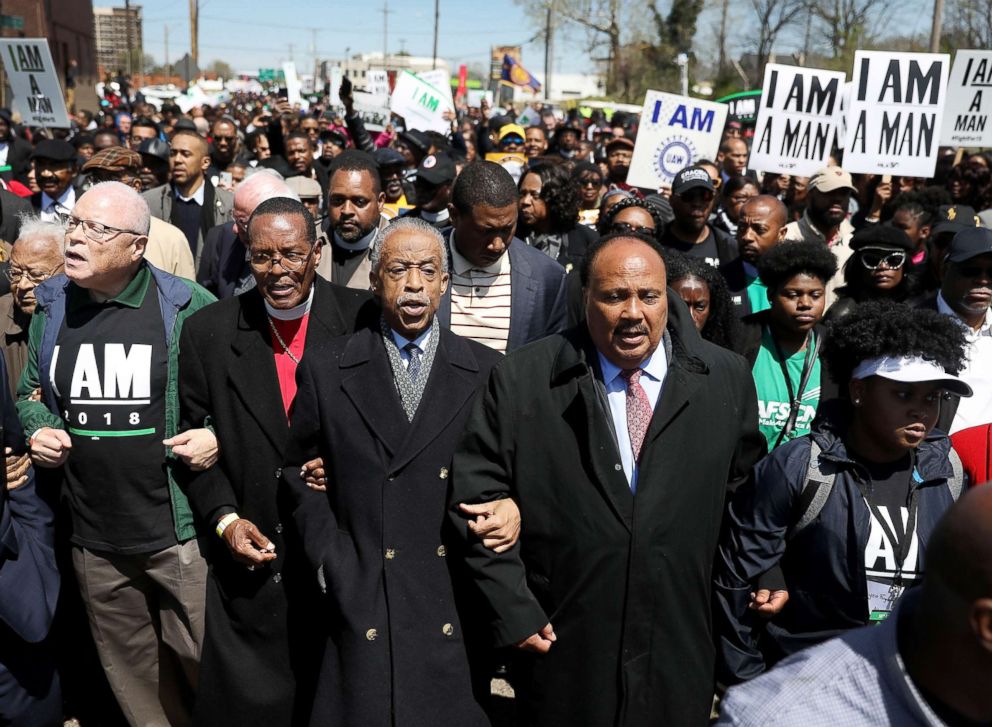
{"x":475,"y":97}
{"x":969,"y":100}
{"x":419,"y":103}
{"x":441,"y":80}
{"x":841,"y":124}
{"x":796,"y":121}
{"x":896,"y":110}
{"x":34,"y":82}
{"x":337,"y":75}
{"x":675,"y":132}
{"x":377,"y":83}
{"x":293,"y":94}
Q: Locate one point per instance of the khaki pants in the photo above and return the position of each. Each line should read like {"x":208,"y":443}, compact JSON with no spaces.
{"x":146,"y":613}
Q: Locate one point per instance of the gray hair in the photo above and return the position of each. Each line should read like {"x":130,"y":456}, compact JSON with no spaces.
{"x":35,"y":230}
{"x":267,"y":171}
{"x":407,"y":224}
{"x":132,"y":205}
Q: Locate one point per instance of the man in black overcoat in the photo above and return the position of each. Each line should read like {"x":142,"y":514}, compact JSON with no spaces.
{"x":618,"y":439}
{"x":237,"y":366}
{"x":384,"y":409}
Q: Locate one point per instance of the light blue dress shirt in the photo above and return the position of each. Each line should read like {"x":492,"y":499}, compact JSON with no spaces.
{"x":655,"y":368}
{"x":420,"y":342}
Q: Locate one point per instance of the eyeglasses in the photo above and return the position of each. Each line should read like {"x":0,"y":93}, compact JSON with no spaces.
{"x":591,"y":182}
{"x":293,"y":262}
{"x":627,"y":229}
{"x":14,"y":275}
{"x":873,"y":259}
{"x":96,"y":231}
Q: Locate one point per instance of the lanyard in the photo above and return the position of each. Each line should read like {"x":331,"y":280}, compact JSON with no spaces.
{"x":795,"y":398}
{"x":903,"y":548}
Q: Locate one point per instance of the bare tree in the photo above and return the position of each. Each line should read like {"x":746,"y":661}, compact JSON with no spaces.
{"x":969,"y":23}
{"x":774,"y":16}
{"x":847,"y":25}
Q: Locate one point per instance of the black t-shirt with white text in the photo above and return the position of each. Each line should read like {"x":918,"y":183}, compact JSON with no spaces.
{"x":707,"y":250}
{"x":110,"y":370}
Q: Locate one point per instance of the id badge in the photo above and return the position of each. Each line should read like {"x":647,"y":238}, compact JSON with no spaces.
{"x":881,"y":600}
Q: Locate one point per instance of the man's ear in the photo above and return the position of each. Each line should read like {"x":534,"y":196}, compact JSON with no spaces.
{"x":981,"y":622}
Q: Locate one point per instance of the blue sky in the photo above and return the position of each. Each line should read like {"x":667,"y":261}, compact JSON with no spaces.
{"x":252,"y":34}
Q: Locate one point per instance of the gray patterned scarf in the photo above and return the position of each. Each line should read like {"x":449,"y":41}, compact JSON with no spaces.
{"x":410,"y":391}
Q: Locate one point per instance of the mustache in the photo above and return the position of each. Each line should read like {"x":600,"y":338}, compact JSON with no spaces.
{"x":413,"y":298}
{"x":637,"y":328}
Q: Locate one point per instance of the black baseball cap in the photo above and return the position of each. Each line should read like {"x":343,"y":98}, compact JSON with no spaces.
{"x":416,"y":139}
{"x":691,"y":178}
{"x":386,"y":157}
{"x":954,"y":218}
{"x":436,"y":169}
{"x":970,"y":242}
{"x":155,"y":148}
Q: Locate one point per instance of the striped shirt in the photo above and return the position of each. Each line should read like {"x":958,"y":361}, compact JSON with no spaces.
{"x":480,"y":300}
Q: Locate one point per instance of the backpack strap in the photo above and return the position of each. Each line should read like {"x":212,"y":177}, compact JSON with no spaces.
{"x":816,"y":489}
{"x":956,"y":483}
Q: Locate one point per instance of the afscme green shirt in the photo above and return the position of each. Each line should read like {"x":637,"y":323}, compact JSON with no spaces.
{"x":773,"y":393}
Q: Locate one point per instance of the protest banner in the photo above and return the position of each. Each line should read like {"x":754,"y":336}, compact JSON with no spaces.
{"x":420,"y":104}
{"x":896,"y":112}
{"x":293,"y":84}
{"x":675,"y":132}
{"x":797,"y":120}
{"x":966,"y":115}
{"x":37,"y":94}
{"x":377,"y":83}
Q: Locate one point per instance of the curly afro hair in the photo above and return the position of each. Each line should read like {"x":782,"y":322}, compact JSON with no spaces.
{"x":723,"y":326}
{"x":793,"y":257}
{"x":559,"y":194}
{"x":606,"y":221}
{"x":883,"y":328}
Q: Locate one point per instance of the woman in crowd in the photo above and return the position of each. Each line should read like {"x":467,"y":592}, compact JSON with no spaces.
{"x":631,"y":215}
{"x":549,"y":215}
{"x":735,"y":193}
{"x":589,"y":180}
{"x":704,"y":290}
{"x":878,"y":268}
{"x":847,"y":510}
{"x":969,"y":184}
{"x":782,"y":343}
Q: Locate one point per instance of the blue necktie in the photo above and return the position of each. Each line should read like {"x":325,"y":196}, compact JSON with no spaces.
{"x":413,"y":367}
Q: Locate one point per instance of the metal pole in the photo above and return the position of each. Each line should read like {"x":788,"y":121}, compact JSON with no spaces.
{"x":194,"y":32}
{"x":547,"y":53}
{"x":168,"y":66}
{"x":127,"y":32}
{"x":683,"y":63}
{"x":437,"y":18}
{"x":938,"y":12}
{"x":385,"y":32}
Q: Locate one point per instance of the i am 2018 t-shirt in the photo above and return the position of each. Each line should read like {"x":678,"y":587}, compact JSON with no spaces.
{"x":110,"y":370}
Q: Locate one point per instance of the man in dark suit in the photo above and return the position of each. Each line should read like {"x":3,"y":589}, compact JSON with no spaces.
{"x":15,"y":152}
{"x":761,"y":227}
{"x":55,"y":170}
{"x":224,"y":269}
{"x":238,"y":363}
{"x":384,"y":408}
{"x":503,"y":292}
{"x":618,"y":440}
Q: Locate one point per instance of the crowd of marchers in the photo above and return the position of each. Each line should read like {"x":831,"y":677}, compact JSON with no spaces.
{"x":309,"y":422}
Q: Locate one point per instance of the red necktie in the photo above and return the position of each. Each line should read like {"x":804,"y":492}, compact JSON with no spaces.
{"x":638,"y":410}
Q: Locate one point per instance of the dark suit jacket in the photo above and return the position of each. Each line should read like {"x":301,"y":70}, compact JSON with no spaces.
{"x":11,"y":207}
{"x":222,"y":264}
{"x":261,"y":629}
{"x":18,"y":159}
{"x":396,"y":653}
{"x":736,"y":278}
{"x":537,"y":295}
{"x":625,"y":580}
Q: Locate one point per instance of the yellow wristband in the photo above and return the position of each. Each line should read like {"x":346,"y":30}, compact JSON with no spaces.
{"x":225,"y":521}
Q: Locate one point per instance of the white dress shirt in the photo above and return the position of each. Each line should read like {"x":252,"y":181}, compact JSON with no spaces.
{"x":197,"y":196}
{"x":52,"y":208}
{"x":977,"y":371}
{"x":655,"y":368}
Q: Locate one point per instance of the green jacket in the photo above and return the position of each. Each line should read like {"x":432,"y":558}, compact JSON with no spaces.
{"x":178,"y":299}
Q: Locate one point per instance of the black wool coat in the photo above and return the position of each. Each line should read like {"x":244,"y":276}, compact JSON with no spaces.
{"x":396,"y":654}
{"x":260,"y":646}
{"x":625,"y":580}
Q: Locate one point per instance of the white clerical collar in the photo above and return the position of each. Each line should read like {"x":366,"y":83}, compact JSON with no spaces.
{"x":362,"y":244}
{"x":420,"y":341}
{"x":290,"y":314}
{"x":66,"y":201}
{"x":197,"y":196}
{"x":435,"y":217}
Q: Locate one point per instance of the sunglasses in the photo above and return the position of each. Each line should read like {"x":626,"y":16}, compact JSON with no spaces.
{"x":874,"y":259}
{"x":626,"y":228}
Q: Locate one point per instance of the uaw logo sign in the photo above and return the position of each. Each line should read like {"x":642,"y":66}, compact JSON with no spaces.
{"x":674,"y":155}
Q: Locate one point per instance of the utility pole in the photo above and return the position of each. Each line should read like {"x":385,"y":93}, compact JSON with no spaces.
{"x":127,"y":30}
{"x":168,"y":67}
{"x":806,"y":37}
{"x":722,"y":62}
{"x":313,"y":49}
{"x":437,"y":18}
{"x":938,"y":12}
{"x":682,"y":61}
{"x":385,"y":31}
{"x":548,"y":57}
{"x":194,"y":33}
